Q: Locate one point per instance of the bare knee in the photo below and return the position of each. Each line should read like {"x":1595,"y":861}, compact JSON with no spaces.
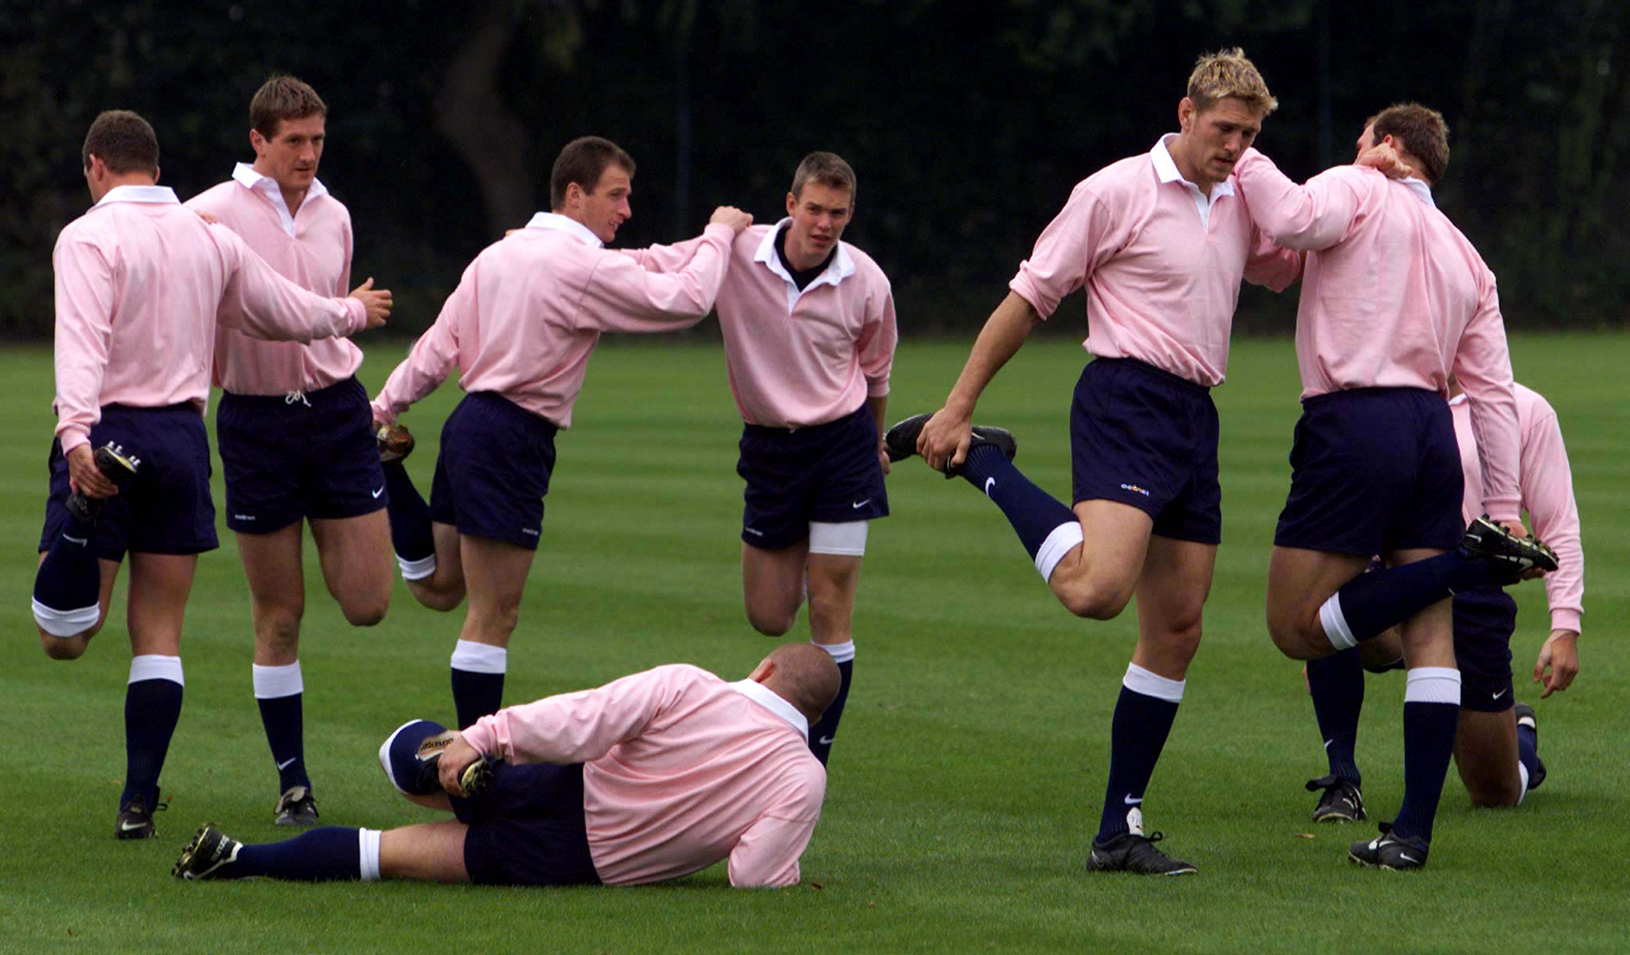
{"x":1085,"y":597}
{"x":771,"y":624}
{"x":1298,"y":639}
{"x":367,"y":611}
{"x":1484,"y":796}
{"x":67,"y":648}
{"x":440,"y":599}
{"x":277,"y":629}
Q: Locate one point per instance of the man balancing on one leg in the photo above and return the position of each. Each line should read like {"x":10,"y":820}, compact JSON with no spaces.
{"x":1161,"y":243}
{"x":649,"y":778}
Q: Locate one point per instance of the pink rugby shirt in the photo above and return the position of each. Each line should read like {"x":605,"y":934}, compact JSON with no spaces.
{"x":1161,"y":263}
{"x":799,"y":358}
{"x":1546,"y":480}
{"x":1393,"y":296}
{"x":681,"y":769}
{"x":140,"y":286}
{"x":312,"y":249}
{"x":530,"y":309}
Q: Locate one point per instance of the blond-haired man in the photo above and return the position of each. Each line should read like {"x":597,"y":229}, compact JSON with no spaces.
{"x":1160,"y":241}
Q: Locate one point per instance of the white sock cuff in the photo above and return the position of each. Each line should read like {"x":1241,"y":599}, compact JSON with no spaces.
{"x":1058,"y":544}
{"x":1139,"y":680}
{"x":473,"y":657}
{"x":275,"y":682}
{"x":66,"y":623}
{"x":1522,"y":774}
{"x":151,"y":666}
{"x":840,"y":652}
{"x":1433,"y":685}
{"x":368,"y":841}
{"x":1335,"y":624}
{"x":417,"y":569}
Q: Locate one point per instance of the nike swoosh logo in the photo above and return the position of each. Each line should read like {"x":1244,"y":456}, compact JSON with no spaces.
{"x":1327,"y":743}
{"x":131,"y":826}
{"x":989,"y":483}
{"x":1407,"y":857}
{"x":1134,"y":802}
{"x":75,"y":540}
{"x":826,"y":740}
{"x":1501,"y":693}
{"x":860,"y":504}
{"x":287,"y":763}
{"x":378,"y":492}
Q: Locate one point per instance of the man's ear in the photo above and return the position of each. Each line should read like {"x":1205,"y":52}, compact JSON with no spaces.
{"x":1185,"y":114}
{"x":762,"y":672}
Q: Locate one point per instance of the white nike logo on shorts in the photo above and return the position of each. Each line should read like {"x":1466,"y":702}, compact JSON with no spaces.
{"x":1501,"y":693}
{"x":378,"y":492}
{"x":860,"y":504}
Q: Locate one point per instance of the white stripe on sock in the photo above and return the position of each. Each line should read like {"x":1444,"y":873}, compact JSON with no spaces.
{"x":416,"y":569}
{"x":151,"y":666}
{"x":1335,"y":624}
{"x":66,"y":623}
{"x":273,"y":683}
{"x":1433,"y":685}
{"x":473,"y":657}
{"x":840,"y":652}
{"x":1056,"y":547}
{"x":368,"y":841}
{"x":1149,"y":683}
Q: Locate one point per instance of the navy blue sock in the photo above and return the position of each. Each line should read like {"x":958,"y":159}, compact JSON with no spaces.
{"x":409,"y":515}
{"x":1429,"y":742}
{"x":285,"y":734}
{"x":1033,"y":512}
{"x":323,"y":854}
{"x":824,"y":731}
{"x":1528,"y":752}
{"x":1337,"y":685}
{"x":152,"y":708}
{"x":476,"y":695}
{"x":69,"y":578}
{"x":1373,"y":602}
{"x":1137,"y":735}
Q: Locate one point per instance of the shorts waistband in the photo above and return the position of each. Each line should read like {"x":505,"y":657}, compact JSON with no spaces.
{"x":1161,"y":373}
{"x":509,"y":409}
{"x":300,"y":396}
{"x":187,"y":406}
{"x":1371,"y":392}
{"x":812,"y":429}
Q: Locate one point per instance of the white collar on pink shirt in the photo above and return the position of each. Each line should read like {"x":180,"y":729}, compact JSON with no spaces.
{"x":772,"y":701}
{"x":1166,"y":169}
{"x":247,"y":177}
{"x":559,"y":223}
{"x":1422,"y":191}
{"x":843,"y":265}
{"x":160,"y":194}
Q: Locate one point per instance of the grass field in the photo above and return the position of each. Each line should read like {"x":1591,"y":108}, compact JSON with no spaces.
{"x":969,"y":772}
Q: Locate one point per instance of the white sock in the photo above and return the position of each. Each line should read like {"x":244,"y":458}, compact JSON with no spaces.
{"x":1056,"y":547}
{"x":1432,"y":685}
{"x":417,"y":569}
{"x":278,"y":681}
{"x":1149,"y":683}
{"x":368,"y":840}
{"x":473,"y":657}
{"x":1335,"y":624}
{"x":152,"y":666}
{"x":840,"y":652}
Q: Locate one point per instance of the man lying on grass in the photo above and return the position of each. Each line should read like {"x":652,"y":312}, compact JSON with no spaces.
{"x":649,"y":778}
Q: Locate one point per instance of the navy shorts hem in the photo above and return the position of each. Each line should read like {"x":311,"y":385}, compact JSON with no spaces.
{"x":493,"y":471}
{"x":826,"y":473}
{"x":1484,"y":620}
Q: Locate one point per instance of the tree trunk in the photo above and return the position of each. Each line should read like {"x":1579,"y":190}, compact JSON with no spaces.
{"x":470,"y":113}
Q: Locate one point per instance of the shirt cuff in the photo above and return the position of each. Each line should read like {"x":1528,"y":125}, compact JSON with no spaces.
{"x":480,"y":735}
{"x":382,"y":412}
{"x":72,"y":437}
{"x":878,"y":388}
{"x":1565,"y":618}
{"x":358,"y":314}
{"x":1026,"y":289}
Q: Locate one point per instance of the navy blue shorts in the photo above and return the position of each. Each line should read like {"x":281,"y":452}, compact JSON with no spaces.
{"x":1485,"y":618}
{"x":309,"y":457}
{"x":528,"y":828}
{"x":1146,"y":437}
{"x":1373,"y":470}
{"x":826,"y":472}
{"x":167,"y":508}
{"x":493,"y":470}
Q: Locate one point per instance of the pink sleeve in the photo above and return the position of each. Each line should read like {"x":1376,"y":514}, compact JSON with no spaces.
{"x":878,"y":337}
{"x":433,"y":356}
{"x":1547,"y":490}
{"x":576,"y":727}
{"x":622,"y":296}
{"x":665,"y":258}
{"x":1066,"y":252}
{"x":345,"y":269}
{"x":260,"y":302}
{"x":767,"y":854}
{"x":1482,"y":364}
{"x":1270,"y":265}
{"x":84,"y":328}
{"x":1307,"y":217}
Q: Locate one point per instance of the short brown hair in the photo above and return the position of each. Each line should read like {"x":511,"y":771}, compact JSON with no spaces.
{"x":280,"y":98}
{"x":1227,"y":73}
{"x":1422,"y":132}
{"x":122,"y":140}
{"x":584,"y":161}
{"x":828,"y":169}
